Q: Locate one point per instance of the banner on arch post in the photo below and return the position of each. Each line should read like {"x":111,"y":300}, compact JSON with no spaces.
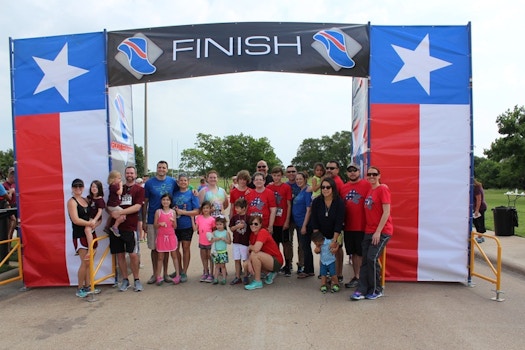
{"x":420,"y":137}
{"x":121,"y":127}
{"x":60,"y":128}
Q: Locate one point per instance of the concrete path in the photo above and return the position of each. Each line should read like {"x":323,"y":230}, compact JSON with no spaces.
{"x":290,"y":314}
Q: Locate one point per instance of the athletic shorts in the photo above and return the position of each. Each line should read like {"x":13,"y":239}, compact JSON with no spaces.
{"x":184,"y":234}
{"x":276,"y":265}
{"x":353,"y":242}
{"x":207,"y":247}
{"x":81,"y":243}
{"x":126,"y":243}
{"x":220,"y":258}
{"x":240,"y":251}
{"x":152,"y":237}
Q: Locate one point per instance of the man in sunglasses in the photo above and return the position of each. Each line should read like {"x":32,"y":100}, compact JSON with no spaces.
{"x":332,"y":170}
{"x":353,"y":193}
{"x":262,"y":167}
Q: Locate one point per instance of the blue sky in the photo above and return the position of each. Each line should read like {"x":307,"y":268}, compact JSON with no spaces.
{"x":273,"y":105}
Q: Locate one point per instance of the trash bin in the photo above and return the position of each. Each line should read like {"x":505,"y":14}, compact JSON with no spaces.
{"x":505,"y":219}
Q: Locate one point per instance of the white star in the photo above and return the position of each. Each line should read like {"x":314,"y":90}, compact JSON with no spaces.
{"x":57,"y":73}
{"x":418,"y":64}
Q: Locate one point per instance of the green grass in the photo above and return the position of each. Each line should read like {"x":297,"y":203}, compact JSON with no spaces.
{"x":496,"y":198}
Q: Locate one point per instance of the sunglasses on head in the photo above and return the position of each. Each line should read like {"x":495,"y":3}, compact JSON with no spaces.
{"x":326,"y":187}
{"x":372,"y":174}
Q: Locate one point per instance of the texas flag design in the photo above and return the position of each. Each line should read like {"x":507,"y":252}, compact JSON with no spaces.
{"x":420,"y":137}
{"x":60,"y":124}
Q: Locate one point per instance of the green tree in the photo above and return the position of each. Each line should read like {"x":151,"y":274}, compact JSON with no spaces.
{"x":227,"y":155}
{"x":335,"y":147}
{"x":7,"y":159}
{"x":509,"y":150}
{"x":139,"y":160}
{"x":487,"y":172}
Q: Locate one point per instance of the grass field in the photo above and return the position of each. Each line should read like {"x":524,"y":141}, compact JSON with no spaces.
{"x":496,"y":198}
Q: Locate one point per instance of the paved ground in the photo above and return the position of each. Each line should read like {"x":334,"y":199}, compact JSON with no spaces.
{"x":290,"y":314}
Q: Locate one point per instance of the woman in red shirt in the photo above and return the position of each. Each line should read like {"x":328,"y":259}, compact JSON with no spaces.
{"x":265,"y":255}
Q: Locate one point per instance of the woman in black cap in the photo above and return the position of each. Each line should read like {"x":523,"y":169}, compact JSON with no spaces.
{"x":78,"y":210}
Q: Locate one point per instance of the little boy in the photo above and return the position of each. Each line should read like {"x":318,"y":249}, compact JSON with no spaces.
{"x":322,"y":246}
{"x":241,"y":239}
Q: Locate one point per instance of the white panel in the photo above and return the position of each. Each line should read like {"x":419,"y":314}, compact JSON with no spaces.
{"x":85,"y":156}
{"x":445,"y":142}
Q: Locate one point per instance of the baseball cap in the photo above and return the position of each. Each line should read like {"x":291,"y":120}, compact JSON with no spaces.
{"x":353,"y":165}
{"x":77,"y":182}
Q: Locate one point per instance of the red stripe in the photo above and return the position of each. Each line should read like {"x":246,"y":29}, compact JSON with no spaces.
{"x":138,"y":50}
{"x":41,"y":199}
{"x":333,"y":40}
{"x":394,"y":133}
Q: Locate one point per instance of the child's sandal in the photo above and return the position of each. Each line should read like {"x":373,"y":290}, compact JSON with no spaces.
{"x":324,"y":289}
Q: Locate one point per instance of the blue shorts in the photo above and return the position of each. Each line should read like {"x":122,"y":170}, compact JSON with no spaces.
{"x":325,"y":269}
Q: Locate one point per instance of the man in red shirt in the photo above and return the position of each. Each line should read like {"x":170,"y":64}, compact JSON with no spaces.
{"x":131,"y":203}
{"x":281,"y":226}
{"x":354,"y":193}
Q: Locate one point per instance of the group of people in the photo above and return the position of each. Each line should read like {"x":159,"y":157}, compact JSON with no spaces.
{"x":8,"y":200}
{"x":265,"y":212}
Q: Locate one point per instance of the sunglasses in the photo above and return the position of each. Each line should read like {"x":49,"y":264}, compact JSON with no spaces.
{"x":291,"y":171}
{"x":351,"y":170}
{"x":78,"y":186}
{"x":261,"y":166}
{"x":372,"y":174}
{"x":254,"y":224}
{"x":326,"y":187}
{"x":331,"y":168}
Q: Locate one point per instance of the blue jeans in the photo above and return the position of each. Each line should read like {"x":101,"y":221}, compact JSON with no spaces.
{"x":370,"y":273}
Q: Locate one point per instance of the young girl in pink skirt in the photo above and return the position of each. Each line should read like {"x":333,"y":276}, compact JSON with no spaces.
{"x":166,"y":223}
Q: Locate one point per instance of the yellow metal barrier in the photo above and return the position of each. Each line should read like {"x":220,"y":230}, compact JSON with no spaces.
{"x":495,"y":270}
{"x":18,"y":249}
{"x":93,"y":270}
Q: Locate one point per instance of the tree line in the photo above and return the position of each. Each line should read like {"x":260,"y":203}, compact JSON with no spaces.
{"x":502,"y":167}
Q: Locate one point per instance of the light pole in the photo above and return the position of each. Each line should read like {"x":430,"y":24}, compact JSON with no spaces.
{"x":145,"y":129}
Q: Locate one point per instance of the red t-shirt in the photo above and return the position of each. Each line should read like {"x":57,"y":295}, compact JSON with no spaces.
{"x":374,"y":209}
{"x":338,"y":182}
{"x":131,"y":195}
{"x":268,"y":244}
{"x":354,"y":195}
{"x":235,"y":194}
{"x":283,"y":194}
{"x":260,"y":203}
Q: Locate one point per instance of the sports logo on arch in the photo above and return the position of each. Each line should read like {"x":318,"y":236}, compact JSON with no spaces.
{"x":137,"y":54}
{"x":336,"y":47}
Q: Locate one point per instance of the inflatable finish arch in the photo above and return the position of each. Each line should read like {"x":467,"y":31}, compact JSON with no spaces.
{"x":411,"y":117}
